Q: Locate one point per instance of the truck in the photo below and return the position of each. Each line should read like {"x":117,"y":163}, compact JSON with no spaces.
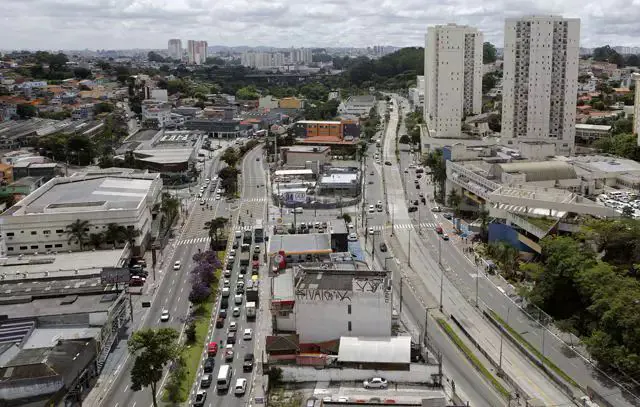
{"x":250,"y":307}
{"x":247,"y":236}
{"x":258,"y":231}
{"x":244,"y":258}
{"x":252,"y":294}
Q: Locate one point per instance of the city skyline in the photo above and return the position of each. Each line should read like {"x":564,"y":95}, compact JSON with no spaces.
{"x":130,"y":24}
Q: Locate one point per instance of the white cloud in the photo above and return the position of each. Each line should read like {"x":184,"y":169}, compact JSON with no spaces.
{"x":117,"y":24}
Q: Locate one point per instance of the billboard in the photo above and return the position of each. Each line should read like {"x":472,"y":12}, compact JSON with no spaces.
{"x":294,"y":197}
{"x":114,"y":275}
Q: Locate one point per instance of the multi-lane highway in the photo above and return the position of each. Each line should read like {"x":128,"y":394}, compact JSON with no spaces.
{"x":425,"y":272}
{"x":170,"y":292}
{"x":251,"y":207}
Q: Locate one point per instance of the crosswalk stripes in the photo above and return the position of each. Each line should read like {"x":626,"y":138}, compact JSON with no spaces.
{"x":255,"y":200}
{"x":403,"y":226}
{"x":193,"y":240}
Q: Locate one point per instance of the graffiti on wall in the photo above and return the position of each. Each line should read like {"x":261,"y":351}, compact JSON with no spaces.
{"x":312,"y":294}
{"x":368,"y":285}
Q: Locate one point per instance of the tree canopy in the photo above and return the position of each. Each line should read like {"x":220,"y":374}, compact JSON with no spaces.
{"x":489,"y":53}
{"x":608,"y":54}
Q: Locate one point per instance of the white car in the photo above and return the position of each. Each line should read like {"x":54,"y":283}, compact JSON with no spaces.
{"x":206,"y":181}
{"x":165,"y":316}
{"x":233,"y":326}
{"x":177,"y":265}
{"x":203,"y":202}
{"x":371,"y":209}
{"x":352,"y":237}
{"x":241,"y":387}
{"x":370,"y":231}
{"x":217,"y":197}
{"x":375,"y":383}
{"x":236,"y":312}
{"x":238,"y":299}
{"x":247,"y":335}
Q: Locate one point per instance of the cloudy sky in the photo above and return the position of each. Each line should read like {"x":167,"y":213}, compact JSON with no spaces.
{"x":120,"y":24}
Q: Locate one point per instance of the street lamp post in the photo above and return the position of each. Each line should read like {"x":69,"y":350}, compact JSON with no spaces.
{"x":409,"y":256}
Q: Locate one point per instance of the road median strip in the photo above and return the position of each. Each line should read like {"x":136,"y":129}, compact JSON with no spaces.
{"x":545,"y":361}
{"x":473,"y":359}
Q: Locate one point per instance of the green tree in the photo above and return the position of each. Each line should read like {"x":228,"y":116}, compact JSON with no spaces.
{"x":152,"y":350}
{"x":78,"y":232}
{"x":483,"y":215}
{"x":215,"y":61}
{"x":404,"y":139}
{"x":627,"y":212}
{"x":26,"y":111}
{"x":214,"y":227}
{"x":229,"y":178}
{"x":454,"y":201}
{"x":169,"y":206}
{"x":608,"y":54}
{"x":82,"y":73}
{"x":506,"y":256}
{"x":248,"y":93}
{"x":130,"y":235}
{"x":113,"y":234}
{"x":347,"y":218}
{"x":489,"y":53}
{"x":96,"y":240}
{"x":153,"y":56}
{"x":435,"y":161}
{"x":495,"y":122}
{"x":230,"y":156}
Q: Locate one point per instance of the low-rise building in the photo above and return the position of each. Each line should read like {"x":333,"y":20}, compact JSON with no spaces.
{"x":156,"y":111}
{"x":327,"y":132}
{"x":306,"y":156}
{"x":357,"y":105}
{"x":218,"y":128}
{"x":291,"y":103}
{"x":340,"y":182}
{"x":588,"y":133}
{"x":45,"y":171}
{"x":40,"y":221}
{"x":326,"y":302}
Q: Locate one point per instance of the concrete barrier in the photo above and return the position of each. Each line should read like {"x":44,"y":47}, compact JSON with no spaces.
{"x":417,"y":374}
{"x":504,"y":376}
{"x":564,"y":387}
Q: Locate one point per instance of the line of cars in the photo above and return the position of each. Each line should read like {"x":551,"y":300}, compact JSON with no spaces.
{"x":214,"y":185}
{"x":226,"y":343}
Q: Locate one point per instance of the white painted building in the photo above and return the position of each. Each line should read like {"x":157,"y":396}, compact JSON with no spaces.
{"x":38,"y":223}
{"x":357,"y":105}
{"x":453,"y":77}
{"x":330,"y":304}
{"x":175,"y":48}
{"x":196,"y":52}
{"x":156,"y":110}
{"x":540,"y":81}
{"x":416,"y":95}
{"x":261,"y":60}
{"x":636,"y":106}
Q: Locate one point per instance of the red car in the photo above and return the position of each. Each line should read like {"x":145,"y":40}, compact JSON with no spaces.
{"x":439,"y":230}
{"x":212,"y":349}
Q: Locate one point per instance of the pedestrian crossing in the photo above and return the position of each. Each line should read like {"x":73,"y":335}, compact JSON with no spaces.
{"x":263,"y":199}
{"x":193,"y":240}
{"x":213,"y":199}
{"x":403,"y":226}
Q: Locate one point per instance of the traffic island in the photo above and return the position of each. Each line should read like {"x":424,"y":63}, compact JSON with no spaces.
{"x":473,"y":359}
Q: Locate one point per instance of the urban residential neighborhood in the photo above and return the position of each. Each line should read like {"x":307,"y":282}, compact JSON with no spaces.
{"x":262,"y":220}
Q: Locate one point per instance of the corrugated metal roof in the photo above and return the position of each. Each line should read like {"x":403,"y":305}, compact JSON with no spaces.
{"x":538,"y":170}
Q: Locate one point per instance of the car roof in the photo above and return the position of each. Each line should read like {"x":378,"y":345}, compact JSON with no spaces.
{"x":241,"y":380}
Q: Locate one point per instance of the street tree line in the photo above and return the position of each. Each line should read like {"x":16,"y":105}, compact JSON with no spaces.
{"x":79,"y":232}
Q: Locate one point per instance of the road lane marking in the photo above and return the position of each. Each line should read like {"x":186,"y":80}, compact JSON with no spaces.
{"x":126,"y":388}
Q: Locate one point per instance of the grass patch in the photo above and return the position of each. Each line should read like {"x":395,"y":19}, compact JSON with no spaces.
{"x":192,"y":353}
{"x":543,"y":223}
{"x":535,"y":351}
{"x":472,"y":357}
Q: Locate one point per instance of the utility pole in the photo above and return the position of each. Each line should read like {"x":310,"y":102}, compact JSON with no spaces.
{"x":401,"y":296}
{"x":409,"y":258}
{"x":441,"y":272}
{"x":477,"y":284}
{"x":373,"y":248}
{"x":501,"y":339}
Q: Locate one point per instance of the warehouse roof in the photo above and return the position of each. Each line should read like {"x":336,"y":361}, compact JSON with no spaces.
{"x":537,"y":170}
{"x":313,"y":243}
{"x":395,"y":349}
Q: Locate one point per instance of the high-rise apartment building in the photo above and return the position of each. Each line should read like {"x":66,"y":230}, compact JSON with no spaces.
{"x":175,"y":48}
{"x":635,"y":77}
{"x":196,"y":52}
{"x":453,"y":77}
{"x":540,"y":81}
{"x":261,"y":60}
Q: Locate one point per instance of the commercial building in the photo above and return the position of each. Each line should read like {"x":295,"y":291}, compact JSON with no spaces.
{"x":540,"y":81}
{"x":38,"y":223}
{"x":336,"y":300}
{"x":357,"y":105}
{"x":218,"y":128}
{"x":157,"y":112}
{"x":175,"y":49}
{"x":196,"y":52}
{"x":416,"y":95}
{"x":165,"y":151}
{"x":453,"y":77}
{"x":302,"y":156}
{"x":340,"y":181}
{"x":327,"y":132}
{"x":588,"y":133}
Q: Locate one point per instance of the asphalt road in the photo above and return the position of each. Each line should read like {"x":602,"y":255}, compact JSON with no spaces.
{"x":424,"y":254}
{"x":171,"y":293}
{"x":252,"y":206}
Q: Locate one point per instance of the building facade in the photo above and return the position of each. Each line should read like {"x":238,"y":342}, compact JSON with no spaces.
{"x":38,"y":223}
{"x":327,"y":131}
{"x":636,"y":106}
{"x":453,"y":77}
{"x":357,"y":105}
{"x":196,"y":52}
{"x":175,"y":48}
{"x":540,"y":81}
{"x":331,"y":304}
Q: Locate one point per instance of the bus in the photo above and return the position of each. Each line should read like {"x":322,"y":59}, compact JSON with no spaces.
{"x":258,"y":231}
